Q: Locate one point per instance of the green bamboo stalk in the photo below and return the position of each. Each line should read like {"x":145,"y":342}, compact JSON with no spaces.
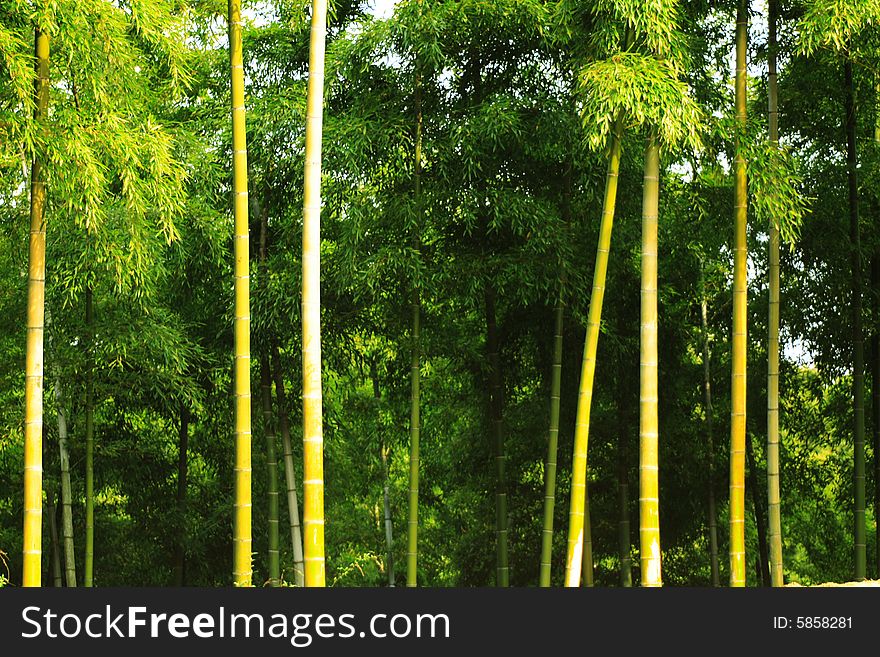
{"x":313,"y":432}
{"x":289,"y":471}
{"x":555,"y":396}
{"x":774,"y":516}
{"x":412,"y":539}
{"x":875,"y":344}
{"x":740,"y":292}
{"x":53,"y":533}
{"x":859,"y":539}
{"x":272,"y":470}
{"x":33,"y":392}
{"x":242,"y":563}
{"x":575,"y":548}
{"x":384,"y":451}
{"x":89,"y":563}
{"x":268,"y":420}
{"x":587,"y":561}
{"x":553,"y":440}
{"x":763,"y":556}
{"x":649,"y":497}
{"x":710,"y":439}
{"x":182,"y":472}
{"x":502,"y":570}
{"x":66,"y":494}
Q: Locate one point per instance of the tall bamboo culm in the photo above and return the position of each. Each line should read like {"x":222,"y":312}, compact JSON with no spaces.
{"x":289,"y":471}
{"x":710,"y":440}
{"x":66,"y":493}
{"x":555,"y":396}
{"x":740,"y":292}
{"x":574,"y":554}
{"x":89,"y":562}
{"x":33,"y":394}
{"x":242,"y":564}
{"x":412,"y":536}
{"x":313,"y":432}
{"x":649,"y":489}
{"x":858,"y":338}
{"x":774,"y":517}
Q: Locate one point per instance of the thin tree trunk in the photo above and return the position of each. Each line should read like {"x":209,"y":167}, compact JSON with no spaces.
{"x":386,"y":498}
{"x":389,"y":525}
{"x":242,"y":542}
{"x":272,"y":470}
{"x":66,"y":494}
{"x":33,"y":392}
{"x":710,"y":440}
{"x":552,"y":442}
{"x":624,"y":543}
{"x":412,"y":539}
{"x":313,"y":432}
{"x":496,"y":403}
{"x":774,"y":516}
{"x":875,"y":389}
{"x":89,"y":563}
{"x":268,"y":420}
{"x":555,"y":394}
{"x":763,"y":552}
{"x":875,"y":347}
{"x":182,"y":474}
{"x":575,"y":547}
{"x":858,"y":337}
{"x":649,"y":490}
{"x":53,"y":533}
{"x":740,"y":310}
{"x":587,"y":562}
{"x":289,"y":471}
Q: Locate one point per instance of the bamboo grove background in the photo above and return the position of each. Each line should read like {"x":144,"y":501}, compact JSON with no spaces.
{"x":451,"y":293}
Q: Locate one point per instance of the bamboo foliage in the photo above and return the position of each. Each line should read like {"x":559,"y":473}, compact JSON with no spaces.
{"x":738,"y":370}
{"x":33,"y":437}
{"x":313,"y":435}
{"x":242,"y":562}
{"x":649,"y":502}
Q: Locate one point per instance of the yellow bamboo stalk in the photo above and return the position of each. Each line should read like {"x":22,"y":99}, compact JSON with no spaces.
{"x":740,"y":292}
{"x":242,"y":561}
{"x":313,"y":435}
{"x":574,"y":555}
{"x":649,"y":497}
{"x":33,"y":392}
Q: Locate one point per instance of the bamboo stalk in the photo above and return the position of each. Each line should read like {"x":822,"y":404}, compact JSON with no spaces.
{"x":740,"y":309}
{"x":313,"y":433}
{"x":289,"y":472}
{"x":859,"y":538}
{"x":774,"y":517}
{"x":242,"y":541}
{"x":66,"y":493}
{"x":89,"y":562}
{"x":575,"y":548}
{"x":710,"y":441}
{"x":33,"y":394}
{"x":412,"y":540}
{"x":649,"y":494}
{"x":502,"y":569}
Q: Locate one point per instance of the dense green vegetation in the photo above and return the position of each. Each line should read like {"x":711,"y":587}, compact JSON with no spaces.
{"x":574,"y":254}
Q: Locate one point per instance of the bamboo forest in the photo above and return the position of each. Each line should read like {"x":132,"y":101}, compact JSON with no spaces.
{"x":439,"y":293}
